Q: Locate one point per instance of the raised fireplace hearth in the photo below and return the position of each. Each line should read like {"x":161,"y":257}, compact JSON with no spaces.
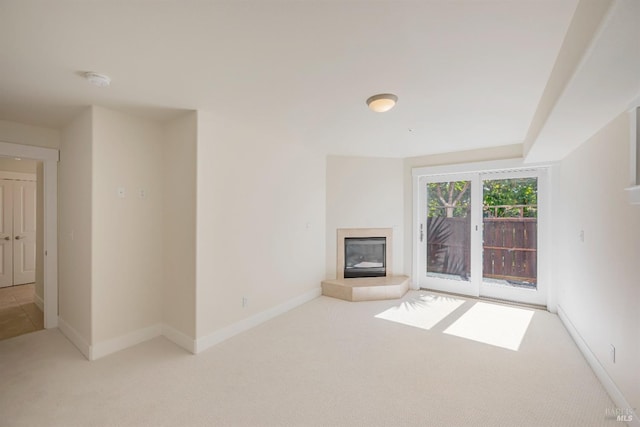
{"x":364,"y":268}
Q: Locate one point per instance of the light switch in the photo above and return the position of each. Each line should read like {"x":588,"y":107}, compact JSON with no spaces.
{"x":121,"y":192}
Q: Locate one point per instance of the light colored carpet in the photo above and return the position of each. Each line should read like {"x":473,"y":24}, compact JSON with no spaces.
{"x":326,"y":363}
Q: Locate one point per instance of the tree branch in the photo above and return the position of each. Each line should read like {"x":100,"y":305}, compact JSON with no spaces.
{"x":439,"y":190}
{"x":464,"y":190}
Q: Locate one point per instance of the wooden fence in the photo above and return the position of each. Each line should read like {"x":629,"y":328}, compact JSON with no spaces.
{"x":509,"y":248}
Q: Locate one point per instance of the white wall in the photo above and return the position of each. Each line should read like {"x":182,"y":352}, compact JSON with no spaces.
{"x":179,"y":207}
{"x":127,"y":254}
{"x":74,"y":227}
{"x":599,"y":278}
{"x":29,"y":135}
{"x":260,"y":221}
{"x":364,"y":193}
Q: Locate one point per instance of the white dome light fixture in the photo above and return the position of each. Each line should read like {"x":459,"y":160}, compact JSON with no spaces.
{"x":96,"y":79}
{"x":382,"y":102}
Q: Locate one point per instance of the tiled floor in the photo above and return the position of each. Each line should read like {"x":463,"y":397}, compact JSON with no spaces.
{"x":18,"y":313}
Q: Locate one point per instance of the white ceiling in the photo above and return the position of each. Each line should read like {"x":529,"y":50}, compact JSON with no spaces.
{"x":468,"y":73}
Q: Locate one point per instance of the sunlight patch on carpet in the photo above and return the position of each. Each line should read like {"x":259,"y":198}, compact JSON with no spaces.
{"x":493,"y":324}
{"x":423,"y":312}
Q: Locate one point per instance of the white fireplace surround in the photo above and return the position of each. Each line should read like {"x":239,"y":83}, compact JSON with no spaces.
{"x":343,"y":233}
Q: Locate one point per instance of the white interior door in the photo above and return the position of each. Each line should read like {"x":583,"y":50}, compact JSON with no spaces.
{"x":6,"y":233}
{"x":24,"y":232}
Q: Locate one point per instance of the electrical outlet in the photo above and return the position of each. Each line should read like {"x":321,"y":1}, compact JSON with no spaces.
{"x":612,"y":351}
{"x":121,"y":192}
{"x":142,"y":193}
{"x":245,"y":302}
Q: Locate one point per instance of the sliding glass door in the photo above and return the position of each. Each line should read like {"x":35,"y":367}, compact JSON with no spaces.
{"x":445,"y":233}
{"x":478,"y":234}
{"x":510,"y":216}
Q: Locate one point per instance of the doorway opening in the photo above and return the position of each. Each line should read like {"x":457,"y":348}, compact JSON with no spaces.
{"x":47,"y":253}
{"x":21,"y":284}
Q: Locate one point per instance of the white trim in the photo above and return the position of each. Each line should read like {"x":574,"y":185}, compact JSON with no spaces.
{"x":179,"y":338}
{"x":489,"y":166}
{"x":546,"y":251}
{"x":635,"y":103}
{"x":50,"y":178}
{"x":253,"y":321}
{"x":602,"y":375}
{"x":18,"y":176}
{"x":633,"y":145}
{"x":105,"y":348}
{"x":31,"y":152}
{"x":75,"y":338}
{"x":39,"y":302}
{"x":415,"y":265}
{"x":634,"y":194}
{"x":49,"y":158}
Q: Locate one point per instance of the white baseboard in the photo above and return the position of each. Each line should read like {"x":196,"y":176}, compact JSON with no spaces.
{"x":611,"y":388}
{"x":227,"y":332}
{"x":75,"y":338}
{"x":39,"y":302}
{"x":179,"y":338}
{"x":105,"y":348}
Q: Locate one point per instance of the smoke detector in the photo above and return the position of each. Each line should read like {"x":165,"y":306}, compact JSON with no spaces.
{"x":96,"y":79}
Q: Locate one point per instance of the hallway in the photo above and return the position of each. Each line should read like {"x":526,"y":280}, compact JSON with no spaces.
{"x":18,"y":312}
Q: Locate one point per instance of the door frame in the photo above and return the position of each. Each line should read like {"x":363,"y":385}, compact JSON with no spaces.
{"x":545,"y":172}
{"x":49,"y":158}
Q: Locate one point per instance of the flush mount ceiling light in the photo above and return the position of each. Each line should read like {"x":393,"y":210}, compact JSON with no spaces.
{"x":96,"y":79}
{"x":382,"y":102}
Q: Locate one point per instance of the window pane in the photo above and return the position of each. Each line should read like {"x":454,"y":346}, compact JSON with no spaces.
{"x":510,"y":211}
{"x":449,"y":229}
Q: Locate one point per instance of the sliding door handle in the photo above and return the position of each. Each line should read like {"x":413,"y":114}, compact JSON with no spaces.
{"x":19,"y":237}
{"x":7,"y":238}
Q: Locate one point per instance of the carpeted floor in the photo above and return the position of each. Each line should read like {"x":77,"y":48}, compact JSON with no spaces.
{"x":416,"y":362}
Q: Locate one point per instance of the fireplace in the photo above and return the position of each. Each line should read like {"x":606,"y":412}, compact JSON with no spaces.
{"x":365,"y":257}
{"x":364,"y":267}
{"x":363,"y":252}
